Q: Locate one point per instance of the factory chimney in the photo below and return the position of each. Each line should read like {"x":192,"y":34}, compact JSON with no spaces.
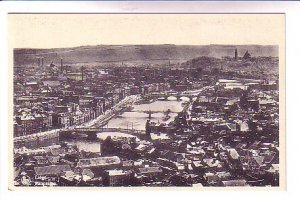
{"x":82,"y":73}
{"x":61,"y":65}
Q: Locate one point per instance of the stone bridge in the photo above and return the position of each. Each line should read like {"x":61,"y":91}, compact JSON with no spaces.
{"x":178,"y":95}
{"x":189,"y":93}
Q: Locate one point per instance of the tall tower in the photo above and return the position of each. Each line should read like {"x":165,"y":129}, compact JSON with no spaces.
{"x":148,"y":130}
{"x":235,"y":54}
{"x":149,"y":114}
{"x":61,"y":65}
{"x":82,"y":73}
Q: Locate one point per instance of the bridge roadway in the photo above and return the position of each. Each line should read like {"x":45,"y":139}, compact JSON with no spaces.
{"x":190,"y":94}
{"x":92,"y":132}
{"x":165,"y":96}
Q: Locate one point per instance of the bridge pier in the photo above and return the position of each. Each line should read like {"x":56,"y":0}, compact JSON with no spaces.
{"x":92,"y":136}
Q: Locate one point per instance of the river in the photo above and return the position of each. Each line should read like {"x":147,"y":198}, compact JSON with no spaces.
{"x":134,"y":119}
{"x":137,"y":117}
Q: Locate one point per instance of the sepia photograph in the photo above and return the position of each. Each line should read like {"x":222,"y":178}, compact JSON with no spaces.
{"x":147,"y":100}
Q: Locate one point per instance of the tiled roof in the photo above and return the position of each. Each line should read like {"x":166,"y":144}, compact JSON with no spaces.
{"x":233,"y":183}
{"x":150,"y":170}
{"x":233,"y":153}
{"x":52,"y":169}
{"x":100,"y":161}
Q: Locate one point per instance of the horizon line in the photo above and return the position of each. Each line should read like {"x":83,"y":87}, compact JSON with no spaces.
{"x":94,"y":45}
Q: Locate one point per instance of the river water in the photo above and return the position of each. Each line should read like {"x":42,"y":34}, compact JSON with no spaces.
{"x":135,"y":119}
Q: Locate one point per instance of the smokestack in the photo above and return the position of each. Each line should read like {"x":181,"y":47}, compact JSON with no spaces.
{"x":61,"y":65}
{"x":42,"y":62}
{"x":39,"y":62}
{"x":82,"y":73}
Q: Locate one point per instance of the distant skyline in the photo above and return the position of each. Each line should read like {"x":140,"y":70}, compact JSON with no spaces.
{"x":95,"y":45}
{"x":133,"y":53}
{"x":74,"y":30}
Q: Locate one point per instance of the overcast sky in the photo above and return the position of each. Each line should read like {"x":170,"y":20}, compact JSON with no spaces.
{"x":71,"y":30}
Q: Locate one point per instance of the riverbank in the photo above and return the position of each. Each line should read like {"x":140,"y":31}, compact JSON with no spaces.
{"x":38,"y":136}
{"x":97,"y":122}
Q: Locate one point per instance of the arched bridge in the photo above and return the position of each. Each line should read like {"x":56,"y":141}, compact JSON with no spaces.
{"x":166,"y":95}
{"x":189,"y":93}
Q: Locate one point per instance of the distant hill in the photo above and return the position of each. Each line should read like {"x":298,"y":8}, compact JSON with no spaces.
{"x":93,"y":55}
